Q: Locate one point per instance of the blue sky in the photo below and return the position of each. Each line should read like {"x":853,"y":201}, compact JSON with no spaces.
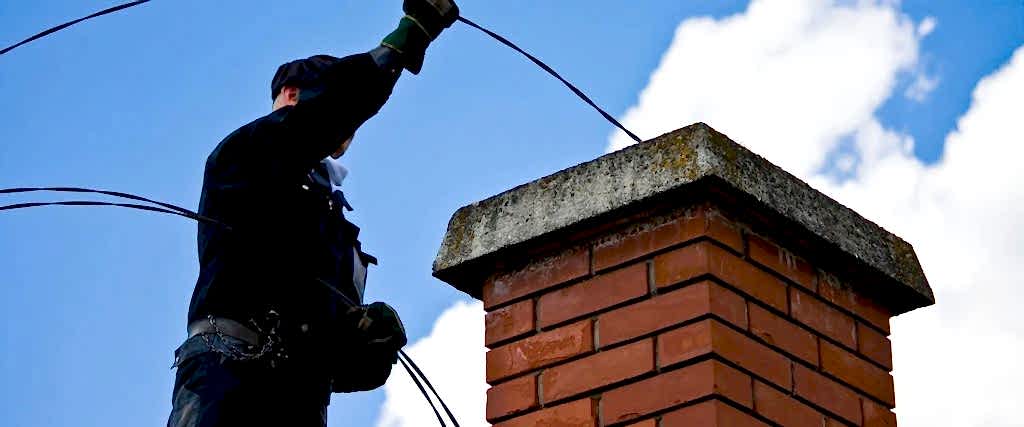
{"x":93,"y":301}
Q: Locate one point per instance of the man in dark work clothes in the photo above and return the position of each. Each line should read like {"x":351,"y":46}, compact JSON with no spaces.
{"x":276,"y":321}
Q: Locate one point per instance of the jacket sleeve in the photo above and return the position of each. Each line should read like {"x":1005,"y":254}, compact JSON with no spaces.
{"x":352,"y":90}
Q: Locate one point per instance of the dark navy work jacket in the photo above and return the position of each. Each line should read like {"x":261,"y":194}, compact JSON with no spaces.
{"x":287,"y":230}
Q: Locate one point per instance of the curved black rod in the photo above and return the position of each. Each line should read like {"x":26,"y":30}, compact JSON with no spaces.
{"x":70,"y":23}
{"x":94,"y":191}
{"x":462,"y":19}
{"x":194,"y":217}
{"x":401,"y":353}
{"x":551,"y":71}
{"x":422,"y":391}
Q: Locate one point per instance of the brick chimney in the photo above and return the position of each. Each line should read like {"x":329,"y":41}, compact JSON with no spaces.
{"x":684,"y":281}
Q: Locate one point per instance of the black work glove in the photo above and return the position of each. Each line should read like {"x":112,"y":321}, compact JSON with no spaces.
{"x":423,"y":22}
{"x":433,"y":15}
{"x":375,"y":335}
{"x":378,"y":324}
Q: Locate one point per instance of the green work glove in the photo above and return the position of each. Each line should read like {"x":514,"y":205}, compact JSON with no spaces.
{"x":376,"y":325}
{"x":374,"y":335}
{"x":423,"y":22}
{"x":433,"y":15}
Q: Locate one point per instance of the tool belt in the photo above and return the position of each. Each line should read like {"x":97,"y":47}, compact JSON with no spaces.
{"x":361,"y":354}
{"x":225,"y":326}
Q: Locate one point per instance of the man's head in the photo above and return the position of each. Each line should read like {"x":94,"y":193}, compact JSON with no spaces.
{"x":291,"y":78}
{"x":300,"y":74}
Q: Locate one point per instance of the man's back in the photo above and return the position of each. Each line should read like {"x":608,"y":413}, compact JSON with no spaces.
{"x":279,"y":242}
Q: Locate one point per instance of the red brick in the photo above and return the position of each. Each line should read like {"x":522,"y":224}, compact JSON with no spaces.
{"x":508,"y":322}
{"x":704,"y":258}
{"x":783,"y":409}
{"x":645,"y":423}
{"x":843,"y":295}
{"x":512,"y":397}
{"x":832,"y":422}
{"x":876,"y":415}
{"x":727,"y":305}
{"x":827,"y":394}
{"x":579,"y":413}
{"x":712,"y":413}
{"x":596,"y":293}
{"x":536,"y":277}
{"x":710,"y":336}
{"x":874,"y":345}
{"x":601,"y":369}
{"x":674,"y":388}
{"x":722,"y":230}
{"x":679,"y":345}
{"x":781,"y":261}
{"x":698,"y":222}
{"x":539,"y":350}
{"x":784,"y":334}
{"x":670,"y":309}
{"x":751,"y":355}
{"x":859,"y":373}
{"x":819,"y":316}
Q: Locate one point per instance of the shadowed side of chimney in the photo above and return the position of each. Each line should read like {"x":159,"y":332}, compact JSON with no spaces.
{"x":682,"y":282}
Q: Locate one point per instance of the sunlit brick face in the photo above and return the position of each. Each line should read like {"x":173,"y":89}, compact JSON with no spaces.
{"x":683,"y":319}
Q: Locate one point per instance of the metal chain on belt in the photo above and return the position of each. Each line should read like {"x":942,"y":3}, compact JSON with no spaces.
{"x":269,"y":338}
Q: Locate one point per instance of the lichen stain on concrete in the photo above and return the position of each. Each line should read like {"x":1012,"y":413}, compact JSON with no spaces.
{"x":907,"y":267}
{"x":679,"y":157}
{"x":460,"y":232}
{"x":729,"y":151}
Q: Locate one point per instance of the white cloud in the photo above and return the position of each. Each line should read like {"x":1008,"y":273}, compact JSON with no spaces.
{"x":452,"y":357}
{"x":923,"y":83}
{"x":922,"y":86}
{"x":926,"y":26}
{"x":958,"y":363}
{"x":800,"y":82}
{"x":787,"y":77}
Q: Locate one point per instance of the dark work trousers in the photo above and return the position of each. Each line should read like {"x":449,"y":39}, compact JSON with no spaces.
{"x":214,"y":390}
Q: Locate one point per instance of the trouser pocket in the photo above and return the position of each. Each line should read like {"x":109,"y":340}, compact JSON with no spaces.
{"x":204,"y":384}
{"x":226,"y":346}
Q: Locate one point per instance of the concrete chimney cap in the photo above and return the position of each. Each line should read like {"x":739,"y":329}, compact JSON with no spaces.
{"x":694,"y":159}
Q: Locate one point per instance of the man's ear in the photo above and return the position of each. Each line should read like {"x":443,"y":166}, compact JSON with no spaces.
{"x":291,"y":94}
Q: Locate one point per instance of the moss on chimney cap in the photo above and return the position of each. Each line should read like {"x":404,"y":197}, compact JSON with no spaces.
{"x":688,"y":158}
